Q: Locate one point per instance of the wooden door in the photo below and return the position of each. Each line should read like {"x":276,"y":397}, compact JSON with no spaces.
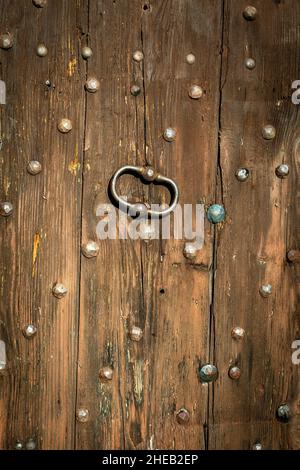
{"x":114,"y":361}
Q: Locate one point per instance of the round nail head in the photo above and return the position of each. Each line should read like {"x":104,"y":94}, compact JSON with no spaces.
{"x":86,"y":52}
{"x":135,"y":90}
{"x":237,"y":333}
{"x":182,"y":416}
{"x":283,"y":413}
{"x":41,"y":50}
{"x":18,"y":445}
{"x":6,"y":209}
{"x":149,"y":173}
{"x":257,"y":446}
{"x":59,"y":290}
{"x":34,"y":167}
{"x":39,"y":3}
{"x":250,"y":63}
{"x":6,"y":41}
{"x":191,"y":59}
{"x":208,"y":373}
{"x":195,"y":92}
{"x":216,"y":213}
{"x":64,"y":125}
{"x":250,"y":13}
{"x":265,"y":290}
{"x":29,"y":331}
{"x":82,"y":415}
{"x":189,"y":251}
{"x":242,"y":174}
{"x":92,"y":85}
{"x":90,"y":249}
{"x":269,"y":132}
{"x":106,"y":373}
{"x":138,"y":56}
{"x":30,"y":444}
{"x":234,"y":372}
{"x":282,"y":170}
{"x":136,"y":333}
{"x":169,"y":134}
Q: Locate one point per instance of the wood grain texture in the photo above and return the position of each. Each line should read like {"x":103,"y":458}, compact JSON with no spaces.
{"x":40,"y":241}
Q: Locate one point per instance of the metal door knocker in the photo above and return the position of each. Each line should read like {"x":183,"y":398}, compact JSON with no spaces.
{"x":147,"y":174}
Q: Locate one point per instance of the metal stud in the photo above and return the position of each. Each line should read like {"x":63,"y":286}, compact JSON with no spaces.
{"x":34,"y":167}
{"x":257,"y":446}
{"x":41,"y":50}
{"x":195,"y":92}
{"x":136,"y":333}
{"x":242,"y":174}
{"x":250,"y":63}
{"x":64,"y":125}
{"x":135,"y":90}
{"x":237,"y":333}
{"x":106,"y":373}
{"x":90,"y":249}
{"x":250,"y":13}
{"x":208,"y":373}
{"x":6,"y":209}
{"x":30,"y":444}
{"x":216,"y":213}
{"x":82,"y":415}
{"x":170,"y":134}
{"x":86,"y":52}
{"x":189,"y":251}
{"x":234,"y":373}
{"x":39,"y":3}
{"x":149,"y":173}
{"x":265,"y":290}
{"x":138,"y":56}
{"x":92,"y":85}
{"x":6,"y":41}
{"x":59,"y":290}
{"x":182,"y":416}
{"x":282,"y":170}
{"x":190,"y":58}
{"x":268,"y":132}
{"x":293,"y":256}
{"x":29,"y":331}
{"x":283,"y":413}
{"x":18,"y":445}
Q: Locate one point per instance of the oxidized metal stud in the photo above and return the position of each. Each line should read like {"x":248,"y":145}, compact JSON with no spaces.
{"x":136,"y":333}
{"x":29,"y":331}
{"x":293,"y":256}
{"x":30,"y":444}
{"x":39,"y":3}
{"x":182,"y":416}
{"x":6,"y":41}
{"x":149,"y":173}
{"x":250,"y":13}
{"x":41,"y":50}
{"x":34,"y":167}
{"x":237,"y":333}
{"x":106,"y":373}
{"x":268,"y":132}
{"x":18,"y":445}
{"x":282,"y":170}
{"x":257,"y":446}
{"x":189,"y":251}
{"x":135,"y":90}
{"x":195,"y":92}
{"x":64,"y":125}
{"x":250,"y":63}
{"x":6,"y":209}
{"x":82,"y":415}
{"x":86,"y":52}
{"x":138,"y":56}
{"x":234,"y":373}
{"x":283,"y":413}
{"x":92,"y":85}
{"x":190,"y":58}
{"x":90,"y":249}
{"x":265,"y":290}
{"x":59,"y":290}
{"x":242,"y":174}
{"x":216,"y":213}
{"x":208,"y":373}
{"x":169,"y":134}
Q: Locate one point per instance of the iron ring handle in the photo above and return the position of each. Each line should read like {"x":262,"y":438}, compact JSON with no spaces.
{"x":150,"y":175}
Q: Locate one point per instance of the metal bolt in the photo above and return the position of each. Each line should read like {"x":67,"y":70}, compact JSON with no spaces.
{"x":282,"y":170}
{"x":195,"y":92}
{"x":92,"y":85}
{"x":182,"y":416}
{"x":169,"y":134}
{"x":30,"y":444}
{"x":242,"y":174}
{"x":29,"y":331}
{"x":250,"y":13}
{"x":135,"y":90}
{"x":18,"y":445}
{"x":138,"y":56}
{"x":237,"y":333}
{"x":293,"y":256}
{"x":265,"y":290}
{"x":189,"y":251}
{"x":136,"y":333}
{"x":283,"y":413}
{"x":149,"y":173}
{"x":82,"y":415}
{"x":39,"y":3}
{"x":208,"y":373}
{"x":90,"y":249}
{"x":234,"y":372}
{"x":190,"y":58}
{"x":86,"y":52}
{"x":269,"y":132}
{"x":106,"y":373}
{"x":250,"y":63}
{"x":6,"y":209}
{"x":64,"y":125}
{"x":216,"y":213}
{"x":34,"y":167}
{"x":6,"y":41}
{"x":41,"y":50}
{"x":257,"y":446}
{"x":59,"y":290}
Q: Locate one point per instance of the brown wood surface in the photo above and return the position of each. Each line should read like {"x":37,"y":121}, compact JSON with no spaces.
{"x":185,"y":308}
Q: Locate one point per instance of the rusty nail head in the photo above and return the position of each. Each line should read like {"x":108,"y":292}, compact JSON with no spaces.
{"x":6,"y":208}
{"x":182,"y":416}
{"x":106,"y":373}
{"x":234,"y":372}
